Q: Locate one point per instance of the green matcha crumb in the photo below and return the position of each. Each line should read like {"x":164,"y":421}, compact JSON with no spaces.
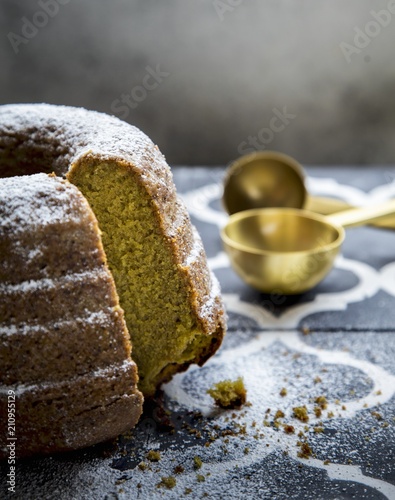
{"x":322,"y":402}
{"x":377,"y":415}
{"x":283,"y":392}
{"x":188,"y":491}
{"x":142,"y":466}
{"x":200,"y":478}
{"x":168,"y":482}
{"x":300,"y":412}
{"x":153,"y":456}
{"x":305,"y":450}
{"x":228,"y":393}
{"x":246,"y":450}
{"x":318,"y":411}
{"x":197,"y":462}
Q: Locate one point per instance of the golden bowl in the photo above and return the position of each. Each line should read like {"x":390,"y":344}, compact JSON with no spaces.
{"x":281,"y":250}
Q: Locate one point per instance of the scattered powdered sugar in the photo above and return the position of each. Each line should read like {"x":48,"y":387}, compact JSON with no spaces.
{"x":97,"y":318}
{"x":117,"y":369}
{"x":34,"y":253}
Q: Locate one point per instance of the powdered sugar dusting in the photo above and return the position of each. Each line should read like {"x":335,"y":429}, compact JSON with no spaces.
{"x":47,"y":283}
{"x":78,"y":133}
{"x":211,"y":301}
{"x":110,"y":372}
{"x":196,"y":251}
{"x":41,"y":200}
{"x":103,"y":317}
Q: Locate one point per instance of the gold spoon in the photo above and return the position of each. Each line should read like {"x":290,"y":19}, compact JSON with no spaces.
{"x":264,"y":179}
{"x":271,"y":179}
{"x":289,"y":251}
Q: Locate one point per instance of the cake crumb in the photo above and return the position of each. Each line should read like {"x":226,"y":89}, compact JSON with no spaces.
{"x":142,"y":466}
{"x":228,"y":393}
{"x":168,"y":482}
{"x":283,"y":392}
{"x":317,"y":411}
{"x":200,"y":478}
{"x":197,"y":462}
{"x":322,"y":402}
{"x":300,"y":412}
{"x":178,"y":469}
{"x":305,"y":450}
{"x":153,"y":456}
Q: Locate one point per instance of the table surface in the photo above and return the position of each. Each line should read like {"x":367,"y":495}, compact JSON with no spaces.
{"x":335,"y":341}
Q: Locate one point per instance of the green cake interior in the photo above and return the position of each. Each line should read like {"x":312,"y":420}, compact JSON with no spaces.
{"x":153,"y":294}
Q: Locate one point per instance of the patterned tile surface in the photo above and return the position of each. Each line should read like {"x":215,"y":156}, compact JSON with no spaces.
{"x":332,"y":350}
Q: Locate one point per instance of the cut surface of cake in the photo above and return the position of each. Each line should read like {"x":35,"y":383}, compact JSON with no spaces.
{"x":65,"y":353}
{"x":171,"y":300}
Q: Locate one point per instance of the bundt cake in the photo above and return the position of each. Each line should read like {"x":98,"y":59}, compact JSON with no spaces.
{"x":171,"y":301}
{"x":64,"y":347}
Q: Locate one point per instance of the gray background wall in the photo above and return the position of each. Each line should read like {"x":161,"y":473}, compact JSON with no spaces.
{"x":226,"y":69}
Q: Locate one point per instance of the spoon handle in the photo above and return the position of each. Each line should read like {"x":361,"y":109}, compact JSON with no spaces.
{"x":359,"y":216}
